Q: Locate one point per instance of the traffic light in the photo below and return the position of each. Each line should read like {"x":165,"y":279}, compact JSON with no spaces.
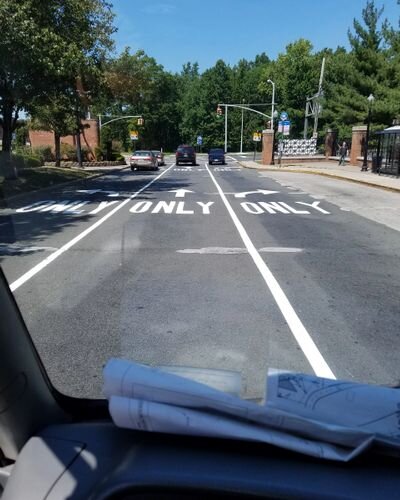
{"x":140,"y":121}
{"x":219,"y":111}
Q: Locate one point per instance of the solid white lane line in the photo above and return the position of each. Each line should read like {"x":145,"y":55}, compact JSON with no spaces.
{"x":303,"y":338}
{"x":36,"y":269}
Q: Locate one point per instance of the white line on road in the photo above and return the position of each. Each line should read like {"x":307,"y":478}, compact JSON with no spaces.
{"x":36,"y":269}
{"x":235,"y":250}
{"x":306,"y":343}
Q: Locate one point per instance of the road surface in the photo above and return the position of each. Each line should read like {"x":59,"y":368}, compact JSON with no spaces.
{"x":210,"y":267}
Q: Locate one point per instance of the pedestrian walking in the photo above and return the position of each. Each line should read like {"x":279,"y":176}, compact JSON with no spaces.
{"x":342,"y":153}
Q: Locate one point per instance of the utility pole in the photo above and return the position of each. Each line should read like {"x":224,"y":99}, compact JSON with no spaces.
{"x":320,"y":93}
{"x":313,"y":105}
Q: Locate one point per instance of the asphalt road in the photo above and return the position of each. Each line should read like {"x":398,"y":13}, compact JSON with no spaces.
{"x":210,"y":267}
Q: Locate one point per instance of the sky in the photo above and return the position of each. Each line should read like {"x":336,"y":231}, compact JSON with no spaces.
{"x":177,"y":31}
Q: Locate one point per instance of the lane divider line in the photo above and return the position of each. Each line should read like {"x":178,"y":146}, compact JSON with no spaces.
{"x":41,"y":265}
{"x":303,"y":338}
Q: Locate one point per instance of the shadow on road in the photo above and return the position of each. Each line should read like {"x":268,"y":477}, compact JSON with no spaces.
{"x":25,"y":233}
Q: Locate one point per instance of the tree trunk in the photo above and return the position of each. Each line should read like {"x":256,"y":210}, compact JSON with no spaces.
{"x":57,"y":148}
{"x":7,"y":168}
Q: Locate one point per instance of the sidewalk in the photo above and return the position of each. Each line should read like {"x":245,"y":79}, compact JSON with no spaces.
{"x":332,"y":169}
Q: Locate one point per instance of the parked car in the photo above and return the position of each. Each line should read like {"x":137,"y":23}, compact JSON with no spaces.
{"x":216,"y":155}
{"x":160,"y":157}
{"x":185,"y":154}
{"x":143,"y":159}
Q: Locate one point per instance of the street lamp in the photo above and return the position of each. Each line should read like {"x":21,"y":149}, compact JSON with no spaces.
{"x":241,"y":129}
{"x":364,"y":167}
{"x":273,"y":103}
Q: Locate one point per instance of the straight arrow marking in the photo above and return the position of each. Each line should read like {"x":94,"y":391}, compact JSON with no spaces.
{"x":180,"y":193}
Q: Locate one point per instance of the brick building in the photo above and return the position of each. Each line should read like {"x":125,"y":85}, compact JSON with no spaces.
{"x":89,"y":137}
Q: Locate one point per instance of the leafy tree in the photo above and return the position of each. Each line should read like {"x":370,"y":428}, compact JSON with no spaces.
{"x":296,"y":75}
{"x":353,"y":76}
{"x":43,"y":44}
{"x":58,"y":116}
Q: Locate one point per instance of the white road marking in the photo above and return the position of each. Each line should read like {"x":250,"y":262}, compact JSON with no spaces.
{"x":13,"y":248}
{"x":36,"y":269}
{"x":180,"y":193}
{"x":257,"y":191}
{"x":232,"y":159}
{"x":303,"y":338}
{"x":280,"y":250}
{"x":235,"y":251}
{"x":314,"y":204}
{"x":168,"y":207}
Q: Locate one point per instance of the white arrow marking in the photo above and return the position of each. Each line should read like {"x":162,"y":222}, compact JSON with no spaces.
{"x":110,"y":194}
{"x":180,"y":193}
{"x":258,"y":191}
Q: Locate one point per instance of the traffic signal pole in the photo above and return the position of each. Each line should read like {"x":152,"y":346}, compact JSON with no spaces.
{"x":226,"y":129}
{"x":246,"y":108}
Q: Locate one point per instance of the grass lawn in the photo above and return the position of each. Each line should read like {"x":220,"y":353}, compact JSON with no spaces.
{"x":37,"y":178}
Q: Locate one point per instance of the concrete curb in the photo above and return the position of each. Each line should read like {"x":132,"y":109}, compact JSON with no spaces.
{"x":63,"y":184}
{"x":325,"y":174}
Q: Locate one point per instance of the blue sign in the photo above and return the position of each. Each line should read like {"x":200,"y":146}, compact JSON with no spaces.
{"x":284,"y":116}
{"x":199,"y":140}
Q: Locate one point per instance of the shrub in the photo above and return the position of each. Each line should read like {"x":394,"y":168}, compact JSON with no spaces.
{"x":43,"y":152}
{"x":87,"y":154}
{"x":18,"y":161}
{"x":25,"y":161}
{"x":117,"y":145}
{"x":32,"y":161}
{"x":68,"y":152}
{"x":22,"y":150}
{"x":116,"y":156}
{"x":99,"y":153}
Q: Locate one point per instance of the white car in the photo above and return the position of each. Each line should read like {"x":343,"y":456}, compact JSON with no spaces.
{"x":160,"y":157}
{"x":143,"y":159}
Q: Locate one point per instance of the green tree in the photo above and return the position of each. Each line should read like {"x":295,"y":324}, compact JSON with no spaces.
{"x":43,"y":44}
{"x":137,"y":85}
{"x":57,"y":116}
{"x":296,"y":75}
{"x":353,"y":76}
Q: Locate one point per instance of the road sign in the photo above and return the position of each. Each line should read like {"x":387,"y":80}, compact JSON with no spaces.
{"x":284,"y":127}
{"x":199,"y":140}
{"x":134,"y":135}
{"x":257,"y":136}
{"x":283,"y":116}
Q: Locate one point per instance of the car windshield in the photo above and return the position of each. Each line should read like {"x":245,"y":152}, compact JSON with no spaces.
{"x":280,"y":254}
